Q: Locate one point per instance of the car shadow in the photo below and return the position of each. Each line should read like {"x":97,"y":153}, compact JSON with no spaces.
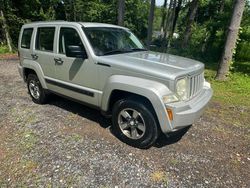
{"x":171,"y":138}
{"x":75,"y":67}
{"x":96,"y":116}
{"x":79,"y":109}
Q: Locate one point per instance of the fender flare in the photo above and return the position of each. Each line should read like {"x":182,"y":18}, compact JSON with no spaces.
{"x":33,"y":65}
{"x":150,"y":89}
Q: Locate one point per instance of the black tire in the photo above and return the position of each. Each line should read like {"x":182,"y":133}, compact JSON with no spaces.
{"x":42,"y":97}
{"x":151,"y":131}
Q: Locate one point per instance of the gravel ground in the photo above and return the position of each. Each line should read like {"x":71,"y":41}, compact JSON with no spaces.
{"x":65,"y":144}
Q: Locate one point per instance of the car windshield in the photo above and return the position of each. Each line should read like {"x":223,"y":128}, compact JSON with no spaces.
{"x":108,"y":41}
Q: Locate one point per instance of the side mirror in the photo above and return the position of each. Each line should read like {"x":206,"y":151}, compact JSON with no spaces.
{"x":75,"y":51}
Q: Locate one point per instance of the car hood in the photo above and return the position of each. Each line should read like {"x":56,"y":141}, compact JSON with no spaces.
{"x":153,"y":63}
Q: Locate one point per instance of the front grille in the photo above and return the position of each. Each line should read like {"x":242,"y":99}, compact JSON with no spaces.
{"x":196,"y":84}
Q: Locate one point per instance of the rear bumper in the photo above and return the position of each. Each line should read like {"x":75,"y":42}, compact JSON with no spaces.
{"x":186,"y":113}
{"x":20,"y":70}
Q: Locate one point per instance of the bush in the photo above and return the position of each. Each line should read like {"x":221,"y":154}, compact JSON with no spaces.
{"x":243,"y":47}
{"x":243,"y":51}
{"x":4,"y":49}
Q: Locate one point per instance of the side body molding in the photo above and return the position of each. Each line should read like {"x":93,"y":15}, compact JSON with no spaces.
{"x":152,"y":90}
{"x":37,"y":68}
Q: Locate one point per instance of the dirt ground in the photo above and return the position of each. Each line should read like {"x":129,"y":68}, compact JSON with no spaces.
{"x":65,"y":144}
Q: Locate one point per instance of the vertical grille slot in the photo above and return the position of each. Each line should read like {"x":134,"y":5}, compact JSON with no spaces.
{"x":196,"y":84}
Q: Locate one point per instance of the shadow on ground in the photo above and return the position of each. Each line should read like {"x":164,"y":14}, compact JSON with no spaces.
{"x":96,"y":116}
{"x":80,"y":109}
{"x":171,"y":138}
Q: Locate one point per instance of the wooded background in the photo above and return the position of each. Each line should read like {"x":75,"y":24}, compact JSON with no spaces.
{"x":207,"y":30}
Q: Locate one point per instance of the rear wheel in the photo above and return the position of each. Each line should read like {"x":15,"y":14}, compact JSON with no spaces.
{"x":134,"y":123}
{"x":35,"y":89}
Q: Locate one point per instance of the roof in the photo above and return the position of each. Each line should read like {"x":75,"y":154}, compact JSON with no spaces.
{"x":84,"y":24}
{"x":95,"y":24}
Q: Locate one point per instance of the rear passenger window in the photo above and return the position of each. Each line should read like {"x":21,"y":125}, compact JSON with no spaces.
{"x":26,"y":38}
{"x":45,"y":38}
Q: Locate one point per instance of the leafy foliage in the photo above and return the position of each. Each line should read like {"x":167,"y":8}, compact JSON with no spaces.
{"x":3,"y":49}
{"x":18,"y":12}
{"x":208,"y":31}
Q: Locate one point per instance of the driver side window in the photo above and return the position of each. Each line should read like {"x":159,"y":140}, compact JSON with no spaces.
{"x":68,"y":36}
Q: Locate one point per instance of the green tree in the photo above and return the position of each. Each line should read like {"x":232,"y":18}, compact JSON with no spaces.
{"x":191,"y":16}
{"x":4,"y":26}
{"x":150,"y":22}
{"x":136,"y":17}
{"x":232,"y":36}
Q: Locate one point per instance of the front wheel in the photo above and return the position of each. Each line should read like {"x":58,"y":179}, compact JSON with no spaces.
{"x":134,"y":123}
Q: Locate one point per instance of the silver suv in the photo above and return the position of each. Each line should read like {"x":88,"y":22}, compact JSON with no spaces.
{"x":107,"y":67}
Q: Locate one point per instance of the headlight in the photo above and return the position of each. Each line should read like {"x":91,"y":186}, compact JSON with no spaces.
{"x":169,"y":98}
{"x":182,"y":88}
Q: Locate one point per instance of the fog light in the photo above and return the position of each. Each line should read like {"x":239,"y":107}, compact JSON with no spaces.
{"x":170,"y":114}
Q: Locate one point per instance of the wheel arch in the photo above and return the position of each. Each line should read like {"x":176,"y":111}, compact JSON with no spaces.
{"x":117,"y":94}
{"x":26,"y":72}
{"x":120,"y":86}
{"x":34,"y":67}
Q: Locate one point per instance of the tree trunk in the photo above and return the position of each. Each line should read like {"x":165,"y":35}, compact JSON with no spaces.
{"x":177,"y":11}
{"x":74,"y":10}
{"x":231,"y":40}
{"x":166,"y":26}
{"x":191,"y":15}
{"x":174,"y":21}
{"x":171,"y":17}
{"x":150,"y":22}
{"x":163,"y":20}
{"x":5,"y":30}
{"x":121,"y":11}
{"x":168,"y":19}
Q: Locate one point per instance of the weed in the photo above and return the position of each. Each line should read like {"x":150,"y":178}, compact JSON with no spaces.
{"x":28,"y":140}
{"x":29,"y":165}
{"x":159,"y":176}
{"x":24,"y":116}
{"x":174,"y":161}
{"x":76,"y":137}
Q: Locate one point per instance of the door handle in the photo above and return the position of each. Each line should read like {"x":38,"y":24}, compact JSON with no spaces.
{"x":58,"y":61}
{"x":34,"y":56}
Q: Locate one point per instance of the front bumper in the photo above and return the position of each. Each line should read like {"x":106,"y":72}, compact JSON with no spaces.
{"x":186,"y":113}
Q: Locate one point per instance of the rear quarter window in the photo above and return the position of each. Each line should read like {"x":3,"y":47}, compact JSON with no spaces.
{"x":45,"y":38}
{"x":26,"y":38}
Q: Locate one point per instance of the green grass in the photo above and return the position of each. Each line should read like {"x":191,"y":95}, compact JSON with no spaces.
{"x":234,"y":91}
{"x":4,"y":49}
{"x":231,"y":102}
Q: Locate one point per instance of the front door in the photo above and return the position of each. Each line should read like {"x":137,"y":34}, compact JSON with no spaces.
{"x":76,"y":77}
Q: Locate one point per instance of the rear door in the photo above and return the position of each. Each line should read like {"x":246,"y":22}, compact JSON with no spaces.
{"x":43,"y":51}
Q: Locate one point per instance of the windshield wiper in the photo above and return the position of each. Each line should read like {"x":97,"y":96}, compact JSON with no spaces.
{"x":139,"y":49}
{"x":116,"y":51}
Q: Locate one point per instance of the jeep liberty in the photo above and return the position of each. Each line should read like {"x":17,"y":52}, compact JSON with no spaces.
{"x":105,"y":66}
